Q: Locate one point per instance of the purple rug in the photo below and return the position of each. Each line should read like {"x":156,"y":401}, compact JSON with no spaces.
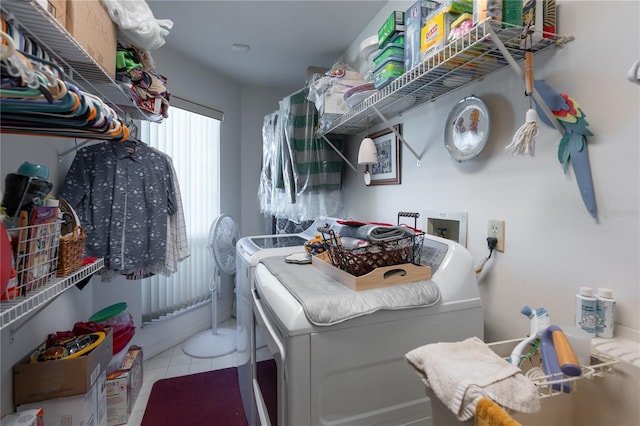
{"x":211,"y":398}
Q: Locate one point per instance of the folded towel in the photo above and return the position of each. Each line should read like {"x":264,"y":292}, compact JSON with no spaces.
{"x":379,"y":233}
{"x":460,"y":373}
{"x":488,"y":413}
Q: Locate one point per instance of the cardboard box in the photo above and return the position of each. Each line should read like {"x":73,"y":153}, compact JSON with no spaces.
{"x":123,"y":387}
{"x":58,"y":8}
{"x":414,"y":19}
{"x":434,"y":34}
{"x":60,"y":378}
{"x":91,"y":26}
{"x":391,"y":26}
{"x":79,"y":410}
{"x":24,"y":418}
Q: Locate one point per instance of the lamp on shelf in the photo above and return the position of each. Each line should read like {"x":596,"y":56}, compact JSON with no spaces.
{"x":367,"y":154}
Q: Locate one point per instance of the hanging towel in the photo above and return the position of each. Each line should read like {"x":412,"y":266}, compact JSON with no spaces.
{"x":488,"y":413}
{"x":460,"y":373}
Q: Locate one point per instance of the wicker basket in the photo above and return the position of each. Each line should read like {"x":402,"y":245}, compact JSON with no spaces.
{"x":71,"y":252}
{"x":362,"y":260}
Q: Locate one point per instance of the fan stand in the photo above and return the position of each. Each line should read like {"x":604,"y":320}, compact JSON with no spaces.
{"x":217,"y":342}
{"x":214,"y":342}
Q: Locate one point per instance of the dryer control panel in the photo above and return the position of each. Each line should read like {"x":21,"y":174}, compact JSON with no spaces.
{"x":433,"y":253}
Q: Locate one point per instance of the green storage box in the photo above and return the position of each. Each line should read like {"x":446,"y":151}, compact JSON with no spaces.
{"x":390,"y":51}
{"x":388,"y":71}
{"x":393,"y":25}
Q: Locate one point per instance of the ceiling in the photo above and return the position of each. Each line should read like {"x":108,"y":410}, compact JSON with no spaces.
{"x":284,"y":37}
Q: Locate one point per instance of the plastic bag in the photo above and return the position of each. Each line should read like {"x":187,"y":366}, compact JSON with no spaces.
{"x":136,"y":23}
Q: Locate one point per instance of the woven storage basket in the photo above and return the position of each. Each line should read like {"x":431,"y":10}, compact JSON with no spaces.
{"x":362,"y":260}
{"x":70,"y":252}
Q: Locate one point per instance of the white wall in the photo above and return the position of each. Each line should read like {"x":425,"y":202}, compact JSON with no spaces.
{"x":553,"y":246}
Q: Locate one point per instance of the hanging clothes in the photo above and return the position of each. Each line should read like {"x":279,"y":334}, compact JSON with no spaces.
{"x":177,"y":242}
{"x":301,"y":174}
{"x":123,"y":194}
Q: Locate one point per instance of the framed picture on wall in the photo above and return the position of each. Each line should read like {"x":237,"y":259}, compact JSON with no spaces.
{"x":388,"y":146}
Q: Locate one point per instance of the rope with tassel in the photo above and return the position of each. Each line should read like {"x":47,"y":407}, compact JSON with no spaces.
{"x":523,"y":142}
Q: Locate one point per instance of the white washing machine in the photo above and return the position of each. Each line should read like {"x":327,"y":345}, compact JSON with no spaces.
{"x":249,"y":252}
{"x":354,"y":372}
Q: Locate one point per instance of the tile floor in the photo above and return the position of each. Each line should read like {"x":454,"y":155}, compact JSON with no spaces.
{"x":172,"y":363}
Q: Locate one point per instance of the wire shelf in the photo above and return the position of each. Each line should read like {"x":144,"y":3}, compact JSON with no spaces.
{"x":466,"y":59}
{"x":15,"y":309}
{"x":78,"y":65}
{"x":556,"y":384}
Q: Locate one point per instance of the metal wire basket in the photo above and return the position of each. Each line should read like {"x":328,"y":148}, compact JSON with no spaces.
{"x":359,"y":261}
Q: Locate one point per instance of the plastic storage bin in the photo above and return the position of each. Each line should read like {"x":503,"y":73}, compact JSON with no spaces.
{"x":397,"y":40}
{"x":388,"y":71}
{"x":392,"y":25}
{"x":391,"y":51}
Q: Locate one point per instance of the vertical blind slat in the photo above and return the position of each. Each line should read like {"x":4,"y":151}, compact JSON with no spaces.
{"x":192,"y":141}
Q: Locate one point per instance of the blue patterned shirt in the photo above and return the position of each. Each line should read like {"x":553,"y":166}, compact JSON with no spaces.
{"x":122,"y":193}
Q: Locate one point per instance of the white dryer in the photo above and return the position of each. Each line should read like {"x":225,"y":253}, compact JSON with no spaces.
{"x":354,"y":372}
{"x":249,"y":252}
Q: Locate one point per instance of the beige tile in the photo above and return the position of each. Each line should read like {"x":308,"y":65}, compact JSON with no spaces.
{"x":200,"y":367}
{"x":153,"y":374}
{"x":177,"y":371}
{"x":161,"y":362}
{"x":135,"y":418}
{"x":179,"y":359}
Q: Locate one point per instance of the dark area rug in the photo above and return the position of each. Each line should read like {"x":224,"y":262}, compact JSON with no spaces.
{"x":211,"y":398}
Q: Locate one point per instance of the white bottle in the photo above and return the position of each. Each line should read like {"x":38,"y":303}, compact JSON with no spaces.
{"x":586,"y":311}
{"x":606,"y":307}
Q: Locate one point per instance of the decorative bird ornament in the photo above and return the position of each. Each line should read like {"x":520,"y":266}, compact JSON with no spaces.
{"x":573,"y":145}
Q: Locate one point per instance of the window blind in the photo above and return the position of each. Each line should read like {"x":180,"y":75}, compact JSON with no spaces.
{"x":192,"y":140}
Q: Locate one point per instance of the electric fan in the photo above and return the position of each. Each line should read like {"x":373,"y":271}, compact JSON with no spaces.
{"x":216,"y":342}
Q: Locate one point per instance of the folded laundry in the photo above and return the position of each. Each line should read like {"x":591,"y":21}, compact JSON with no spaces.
{"x":381,"y":233}
{"x":461,"y":373}
{"x":376,"y":233}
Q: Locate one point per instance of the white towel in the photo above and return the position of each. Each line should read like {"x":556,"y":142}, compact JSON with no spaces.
{"x":460,"y":373}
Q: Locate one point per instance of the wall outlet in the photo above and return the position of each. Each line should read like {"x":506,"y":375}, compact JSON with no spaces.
{"x":496,"y":230}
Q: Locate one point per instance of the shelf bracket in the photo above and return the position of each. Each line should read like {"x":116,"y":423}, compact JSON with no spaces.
{"x":404,"y":142}
{"x":541,"y":103}
{"x":339,"y":153}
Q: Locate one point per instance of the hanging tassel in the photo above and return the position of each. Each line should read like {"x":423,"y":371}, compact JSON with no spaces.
{"x":523,"y":142}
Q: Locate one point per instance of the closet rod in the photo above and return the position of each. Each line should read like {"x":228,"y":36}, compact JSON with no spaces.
{"x":75,"y":148}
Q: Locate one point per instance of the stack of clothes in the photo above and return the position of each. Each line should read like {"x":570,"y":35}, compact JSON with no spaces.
{"x":135,"y":68}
